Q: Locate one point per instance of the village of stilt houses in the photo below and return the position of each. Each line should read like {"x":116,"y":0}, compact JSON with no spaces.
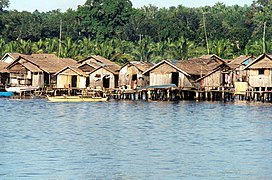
{"x":205,"y":78}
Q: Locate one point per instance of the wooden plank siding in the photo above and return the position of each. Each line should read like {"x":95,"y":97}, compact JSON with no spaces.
{"x":260,"y":71}
{"x":212,"y":80}
{"x":69,"y":78}
{"x":128,"y":72}
{"x":163,"y":74}
{"x":260,"y":80}
{"x":99,"y":76}
{"x":21,"y":76}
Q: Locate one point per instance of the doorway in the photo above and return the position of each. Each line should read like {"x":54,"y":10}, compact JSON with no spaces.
{"x":175,"y":78}
{"x":87,"y":81}
{"x":74,"y":81}
{"x":106,"y":81}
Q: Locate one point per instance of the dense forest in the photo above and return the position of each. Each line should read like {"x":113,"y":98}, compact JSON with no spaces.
{"x":116,"y":30}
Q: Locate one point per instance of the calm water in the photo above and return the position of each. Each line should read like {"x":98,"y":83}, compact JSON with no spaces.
{"x":135,"y":140}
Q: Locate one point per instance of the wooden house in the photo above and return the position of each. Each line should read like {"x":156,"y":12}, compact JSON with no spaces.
{"x":71,"y":77}
{"x":131,"y":75}
{"x":37,"y":69}
{"x":207,"y":72}
{"x":259,"y":72}
{"x":103,"y":77}
{"x":218,"y":78}
{"x":103,"y":72}
{"x":24,"y":73}
{"x":165,"y":72}
{"x":238,"y":65}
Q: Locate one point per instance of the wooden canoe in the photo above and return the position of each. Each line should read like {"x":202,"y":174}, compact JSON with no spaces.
{"x":76,"y":99}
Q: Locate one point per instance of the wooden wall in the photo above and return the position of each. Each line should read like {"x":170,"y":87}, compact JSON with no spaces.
{"x":162,"y":75}
{"x":214,"y":80}
{"x":239,"y":74}
{"x":96,"y":78}
{"x":64,"y":79}
{"x":19,"y":75}
{"x":126,"y":73}
{"x":256,"y":80}
{"x":38,"y":79}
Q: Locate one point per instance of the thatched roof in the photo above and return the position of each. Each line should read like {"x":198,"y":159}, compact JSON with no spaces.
{"x":142,"y":66}
{"x":3,"y":67}
{"x":101,"y":61}
{"x":199,"y":66}
{"x":31,"y":67}
{"x":240,"y":61}
{"x":74,"y":69}
{"x":166,"y":62}
{"x":213,"y":56}
{"x":49,"y":63}
{"x":264,"y":61}
{"x":14,"y":56}
{"x":91,"y":64}
{"x":218,"y":68}
{"x":107,"y":68}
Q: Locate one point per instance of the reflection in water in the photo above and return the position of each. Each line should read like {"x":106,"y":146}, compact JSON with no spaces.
{"x":134,"y":140}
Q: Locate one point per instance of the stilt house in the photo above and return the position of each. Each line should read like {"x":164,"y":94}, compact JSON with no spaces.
{"x":36,"y":69}
{"x":103,"y":73}
{"x":238,"y":65}
{"x":207,"y":72}
{"x":165,"y":72}
{"x":131,"y":75}
{"x":259,"y":73}
{"x":104,"y":77}
{"x":71,"y":77}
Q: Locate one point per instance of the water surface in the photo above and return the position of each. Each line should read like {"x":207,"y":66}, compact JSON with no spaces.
{"x":135,"y":140}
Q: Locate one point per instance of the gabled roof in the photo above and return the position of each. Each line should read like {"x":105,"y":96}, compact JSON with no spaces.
{"x":32,"y":67}
{"x":199,"y":66}
{"x":169,"y":63}
{"x":91,"y":64}
{"x":75,"y":69}
{"x":239,"y":61}
{"x":14,"y":56}
{"x":27,"y":64}
{"x":141,"y":66}
{"x":211,"y":72}
{"x":49,"y":63}
{"x":261,"y":62}
{"x":106,"y":68}
{"x":213,"y":56}
{"x":101,"y":61}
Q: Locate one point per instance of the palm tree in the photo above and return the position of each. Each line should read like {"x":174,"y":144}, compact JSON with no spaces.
{"x":222,"y":48}
{"x":143,"y":50}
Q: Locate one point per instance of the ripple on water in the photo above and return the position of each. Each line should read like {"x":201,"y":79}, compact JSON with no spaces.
{"x":134,"y":140}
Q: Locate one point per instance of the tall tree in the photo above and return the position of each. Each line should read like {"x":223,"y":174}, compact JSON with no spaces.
{"x":104,"y":18}
{"x":4,"y":4}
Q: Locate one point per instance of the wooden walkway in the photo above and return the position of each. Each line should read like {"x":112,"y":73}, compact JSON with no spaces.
{"x":162,"y":94}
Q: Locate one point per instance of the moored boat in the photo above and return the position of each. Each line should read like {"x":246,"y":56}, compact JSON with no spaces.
{"x":76,"y":99}
{"x":6,"y":94}
{"x":19,"y":89}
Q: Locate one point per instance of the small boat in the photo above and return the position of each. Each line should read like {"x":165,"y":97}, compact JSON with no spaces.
{"x":76,"y":99}
{"x":18,"y":89}
{"x":6,"y":94}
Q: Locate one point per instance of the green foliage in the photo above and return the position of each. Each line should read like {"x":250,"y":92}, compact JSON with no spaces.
{"x":116,"y":30}
{"x":4,"y":4}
